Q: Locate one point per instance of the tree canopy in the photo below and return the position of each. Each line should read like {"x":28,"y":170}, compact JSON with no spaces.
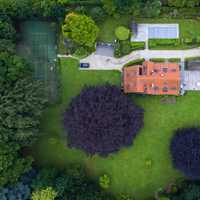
{"x":185,"y":150}
{"x":80,"y":29}
{"x":102,"y":120}
{"x":183,"y":3}
{"x":7,"y":30}
{"x":11,"y":165}
{"x":21,"y":107}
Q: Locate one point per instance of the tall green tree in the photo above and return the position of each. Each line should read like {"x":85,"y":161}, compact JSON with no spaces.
{"x":109,"y":6}
{"x":80,"y":29}
{"x":7,"y":31}
{"x":152,"y":8}
{"x":12,"y":166}
{"x":183,"y":3}
{"x":7,"y":46}
{"x":21,"y":107}
{"x":12,"y":68}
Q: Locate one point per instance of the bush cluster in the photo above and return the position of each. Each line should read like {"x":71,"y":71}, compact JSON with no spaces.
{"x":125,"y":47}
{"x":102,"y":120}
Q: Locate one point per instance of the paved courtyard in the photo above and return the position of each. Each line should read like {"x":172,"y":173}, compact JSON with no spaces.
{"x":192,"y":80}
{"x":105,"y":50}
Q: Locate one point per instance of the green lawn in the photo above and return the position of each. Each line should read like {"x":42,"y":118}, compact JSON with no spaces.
{"x":126,"y":168}
{"x":108,"y":26}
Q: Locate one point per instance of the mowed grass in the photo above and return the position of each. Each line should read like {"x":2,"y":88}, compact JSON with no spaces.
{"x":108,"y":26}
{"x":127,"y":168}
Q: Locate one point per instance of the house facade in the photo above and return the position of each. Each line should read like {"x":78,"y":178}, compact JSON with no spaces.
{"x":152,"y":78}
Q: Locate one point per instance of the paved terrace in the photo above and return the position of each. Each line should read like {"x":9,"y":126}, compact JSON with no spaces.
{"x":98,"y":62}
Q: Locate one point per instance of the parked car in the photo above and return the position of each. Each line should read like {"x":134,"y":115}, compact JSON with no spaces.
{"x":84,"y":65}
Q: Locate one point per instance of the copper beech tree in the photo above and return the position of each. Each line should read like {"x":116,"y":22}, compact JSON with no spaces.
{"x":102,"y":120}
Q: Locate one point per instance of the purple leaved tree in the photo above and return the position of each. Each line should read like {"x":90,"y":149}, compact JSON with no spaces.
{"x":101,"y":120}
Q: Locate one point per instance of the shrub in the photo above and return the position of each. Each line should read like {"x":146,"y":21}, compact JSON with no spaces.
{"x":198,"y":39}
{"x":117,"y":49}
{"x":148,"y":163}
{"x":193,"y":58}
{"x":185,"y":150}
{"x":98,"y":14}
{"x":122,"y":33}
{"x":188,"y":40}
{"x":122,"y":48}
{"x":81,"y":52}
{"x":101,"y":120}
{"x":104,"y":181}
{"x":45,"y":194}
{"x":21,"y":191}
{"x":125,"y":47}
{"x":125,"y":197}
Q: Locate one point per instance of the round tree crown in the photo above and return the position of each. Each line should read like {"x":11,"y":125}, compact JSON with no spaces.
{"x":101,"y":120}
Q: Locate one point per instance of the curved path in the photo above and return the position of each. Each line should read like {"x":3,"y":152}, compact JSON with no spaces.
{"x":98,"y":62}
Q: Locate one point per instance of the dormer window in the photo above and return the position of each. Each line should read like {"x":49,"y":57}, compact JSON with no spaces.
{"x":165,"y":89}
{"x":165,"y":70}
{"x":140,"y":71}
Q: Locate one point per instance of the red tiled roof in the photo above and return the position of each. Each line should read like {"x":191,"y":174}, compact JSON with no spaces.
{"x":152,"y":78}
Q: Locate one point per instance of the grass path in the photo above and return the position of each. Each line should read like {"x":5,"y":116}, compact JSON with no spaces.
{"x":126,"y":168}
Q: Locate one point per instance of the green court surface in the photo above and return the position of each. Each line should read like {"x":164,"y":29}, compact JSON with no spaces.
{"x":38,"y":46}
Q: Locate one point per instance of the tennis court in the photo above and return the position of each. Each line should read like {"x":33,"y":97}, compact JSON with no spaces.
{"x":38,"y":46}
{"x":163,"y":31}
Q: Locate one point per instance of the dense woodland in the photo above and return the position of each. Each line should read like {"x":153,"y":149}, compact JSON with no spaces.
{"x":22,"y":102}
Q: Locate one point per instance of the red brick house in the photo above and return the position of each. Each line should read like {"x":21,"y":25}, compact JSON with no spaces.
{"x":152,"y":78}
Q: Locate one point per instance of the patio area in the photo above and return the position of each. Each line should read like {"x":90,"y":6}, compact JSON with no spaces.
{"x":192,"y":80}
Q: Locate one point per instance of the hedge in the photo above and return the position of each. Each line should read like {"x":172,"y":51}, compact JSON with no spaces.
{"x":155,"y":43}
{"x":158,"y":59}
{"x":174,"y":60}
{"x":192,"y":58}
{"x":163,"y":42}
{"x":125,"y":47}
{"x":137,"y":45}
{"x":135,"y":62}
